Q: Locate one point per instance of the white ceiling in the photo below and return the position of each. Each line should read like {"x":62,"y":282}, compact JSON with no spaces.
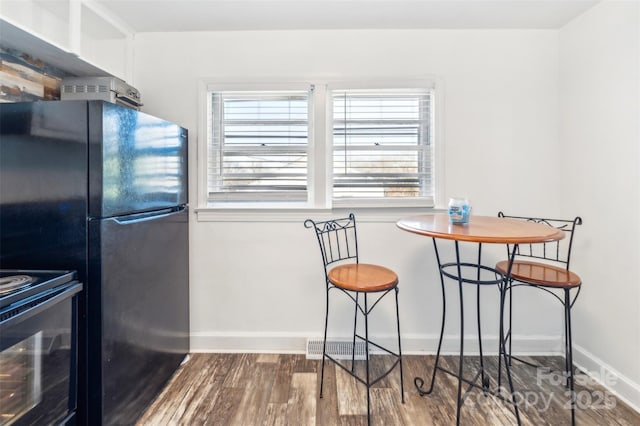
{"x":211,"y":15}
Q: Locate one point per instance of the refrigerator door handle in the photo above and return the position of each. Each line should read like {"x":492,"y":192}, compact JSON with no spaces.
{"x":137,"y":218}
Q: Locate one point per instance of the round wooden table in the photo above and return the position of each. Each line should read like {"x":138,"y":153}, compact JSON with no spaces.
{"x":480,"y":230}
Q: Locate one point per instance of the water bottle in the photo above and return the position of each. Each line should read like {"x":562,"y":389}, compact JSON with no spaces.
{"x":459,"y":210}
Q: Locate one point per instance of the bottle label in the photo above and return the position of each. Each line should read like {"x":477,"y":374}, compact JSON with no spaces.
{"x":459,"y":213}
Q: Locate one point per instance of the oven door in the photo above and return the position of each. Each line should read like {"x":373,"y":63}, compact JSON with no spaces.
{"x":38,"y":358}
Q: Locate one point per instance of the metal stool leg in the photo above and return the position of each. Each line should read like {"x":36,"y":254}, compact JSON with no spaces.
{"x":509,"y":335}
{"x":366,"y":344}
{"x":569,"y":353}
{"x":399,"y":347}
{"x":355,"y":330}
{"x":324,"y":341}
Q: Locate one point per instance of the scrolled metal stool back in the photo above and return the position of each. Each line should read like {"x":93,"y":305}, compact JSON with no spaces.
{"x":337,"y":238}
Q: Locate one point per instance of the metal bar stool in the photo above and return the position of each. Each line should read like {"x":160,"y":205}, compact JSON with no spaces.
{"x":361,"y":282}
{"x":548,"y":271}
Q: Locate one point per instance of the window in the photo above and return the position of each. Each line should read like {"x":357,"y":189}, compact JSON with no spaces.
{"x":381,"y":144}
{"x":258,"y":146}
{"x":319,"y":145}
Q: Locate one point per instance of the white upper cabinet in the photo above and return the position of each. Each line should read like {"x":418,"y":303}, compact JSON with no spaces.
{"x":105,"y":41}
{"x":48,"y":20}
{"x":77,"y":36}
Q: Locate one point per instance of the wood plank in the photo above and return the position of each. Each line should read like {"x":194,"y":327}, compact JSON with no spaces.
{"x":327,"y":406}
{"x":225,"y":409}
{"x":276,"y":414}
{"x":240,"y":373}
{"x":173,"y":398}
{"x":201,"y":411}
{"x":282,"y":383}
{"x":201,"y":384}
{"x":351,"y":394}
{"x":301,"y":407}
{"x":248,"y":389}
{"x":304,"y":365}
{"x":256,"y":394}
{"x":385,"y":407}
{"x":419,"y":410}
{"x":272,"y":358}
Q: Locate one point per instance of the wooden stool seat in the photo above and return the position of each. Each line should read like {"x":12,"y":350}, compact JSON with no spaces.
{"x":540,"y":274}
{"x":363,"y":277}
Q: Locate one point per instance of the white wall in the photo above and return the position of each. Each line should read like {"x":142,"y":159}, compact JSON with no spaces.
{"x":258,"y":285}
{"x":600,"y":141}
{"x":539,"y":122}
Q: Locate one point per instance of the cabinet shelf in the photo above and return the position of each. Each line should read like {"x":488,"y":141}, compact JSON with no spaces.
{"x":77,"y":37}
{"x":17,"y":38}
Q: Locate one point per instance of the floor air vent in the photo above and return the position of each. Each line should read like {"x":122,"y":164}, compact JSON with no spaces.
{"x":338,"y":349}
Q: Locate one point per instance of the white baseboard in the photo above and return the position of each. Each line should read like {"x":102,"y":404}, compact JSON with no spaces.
{"x":610,"y":378}
{"x":417,"y":344}
{"x":237,"y":342}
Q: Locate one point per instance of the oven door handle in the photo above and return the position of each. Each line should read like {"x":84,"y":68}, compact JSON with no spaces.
{"x":40,"y":307}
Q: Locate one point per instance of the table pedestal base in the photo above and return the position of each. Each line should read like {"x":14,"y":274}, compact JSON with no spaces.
{"x":455,"y":271}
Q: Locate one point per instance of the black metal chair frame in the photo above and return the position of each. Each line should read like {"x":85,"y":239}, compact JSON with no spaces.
{"x":555,"y":253}
{"x":339,"y":244}
{"x":454,"y":271}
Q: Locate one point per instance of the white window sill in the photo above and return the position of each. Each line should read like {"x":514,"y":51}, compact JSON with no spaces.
{"x":364,"y":214}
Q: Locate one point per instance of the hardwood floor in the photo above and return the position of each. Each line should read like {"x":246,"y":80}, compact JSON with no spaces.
{"x":272,"y":389}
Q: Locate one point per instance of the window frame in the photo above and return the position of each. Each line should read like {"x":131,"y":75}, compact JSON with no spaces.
{"x":320,"y":148}
{"x":383,"y":92}
{"x":231,"y":150}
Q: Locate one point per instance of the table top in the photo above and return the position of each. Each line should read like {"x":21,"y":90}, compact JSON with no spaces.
{"x":481,"y":229}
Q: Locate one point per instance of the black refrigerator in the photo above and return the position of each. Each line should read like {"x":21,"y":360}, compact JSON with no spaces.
{"x":102,"y":189}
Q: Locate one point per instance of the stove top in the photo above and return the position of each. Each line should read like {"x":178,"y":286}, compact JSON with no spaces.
{"x":20,"y":284}
{"x":12,"y":283}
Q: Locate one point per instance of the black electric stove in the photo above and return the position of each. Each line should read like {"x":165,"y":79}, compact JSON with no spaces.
{"x":18,"y":285}
{"x":38,"y":346}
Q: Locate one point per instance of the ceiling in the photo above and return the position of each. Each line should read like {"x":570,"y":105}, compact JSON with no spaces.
{"x":212,"y":15}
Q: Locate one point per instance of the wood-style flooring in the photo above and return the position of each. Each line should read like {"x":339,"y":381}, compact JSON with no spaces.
{"x":273,"y":389}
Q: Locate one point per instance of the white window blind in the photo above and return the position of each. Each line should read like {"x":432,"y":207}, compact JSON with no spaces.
{"x":382,"y":147}
{"x":258,"y":146}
